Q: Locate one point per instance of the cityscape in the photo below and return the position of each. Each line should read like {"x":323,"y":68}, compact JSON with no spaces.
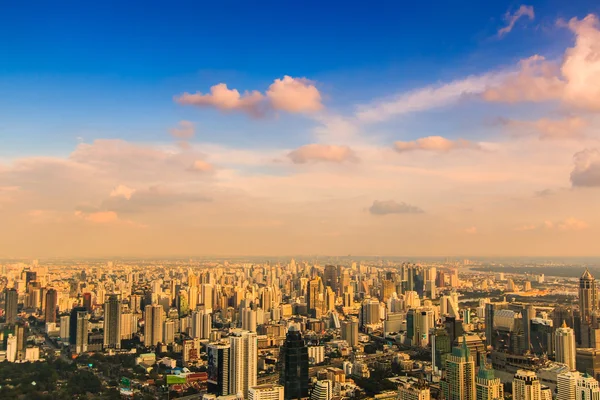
{"x":295,"y":329}
{"x":300,"y":200}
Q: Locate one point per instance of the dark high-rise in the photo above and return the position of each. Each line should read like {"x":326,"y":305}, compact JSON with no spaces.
{"x":293,"y":366}
{"x":330,"y":277}
{"x":587,"y":296}
{"x":73,"y":323}
{"x":51,"y":303}
{"x":87,"y":301}
{"x":11,"y":299}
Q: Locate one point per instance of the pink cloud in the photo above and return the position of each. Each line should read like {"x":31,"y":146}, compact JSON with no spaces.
{"x":293,"y":95}
{"x":511,"y":19}
{"x":98,"y":217}
{"x":586,"y":172}
{"x":185,"y":130}
{"x":575,"y":82}
{"x":569,"y":224}
{"x":549,"y":129}
{"x":321,"y":152}
{"x":435,"y":143}
{"x":472,"y":230}
{"x":201,"y":166}
{"x":122,"y":191}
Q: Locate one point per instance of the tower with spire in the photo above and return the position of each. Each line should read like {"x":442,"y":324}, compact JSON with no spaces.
{"x":459,"y":380}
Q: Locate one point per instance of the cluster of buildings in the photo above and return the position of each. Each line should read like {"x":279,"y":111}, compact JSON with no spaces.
{"x":302,"y":330}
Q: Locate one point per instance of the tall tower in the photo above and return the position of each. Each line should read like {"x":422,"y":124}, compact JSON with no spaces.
{"x":11,"y":300}
{"x":459,"y":382}
{"x":293,"y":366}
{"x":243,"y":359}
{"x":112,"y":322}
{"x":488,"y":386}
{"x":218,"y":368}
{"x":312,"y":297}
{"x":153,"y":324}
{"x":330,"y":277}
{"x":587,"y":296}
{"x":51,"y":303}
{"x":350,"y":331}
{"x":565,"y":346}
{"x":81,"y":332}
{"x":526,"y":386}
{"x":566,"y":385}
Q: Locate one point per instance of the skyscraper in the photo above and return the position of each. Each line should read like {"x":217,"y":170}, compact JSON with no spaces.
{"x":112,"y":322}
{"x":218,"y":368}
{"x":11,"y":300}
{"x":487,"y":385}
{"x":349,"y":330}
{"x":293,"y":366}
{"x":565,"y":346}
{"x":153,"y":324}
{"x":526,"y":386}
{"x":51,"y":303}
{"x":459,"y":382}
{"x":81,"y":332}
{"x":87,"y":301}
{"x":312,"y":297}
{"x":265,"y":392}
{"x":566,"y":385}
{"x":322,"y":390}
{"x":587,"y":296}
{"x":244,"y":359}
{"x":73,"y":328}
{"x":330,"y":277}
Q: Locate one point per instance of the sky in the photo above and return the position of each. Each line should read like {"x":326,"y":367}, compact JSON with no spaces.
{"x":299,"y":128}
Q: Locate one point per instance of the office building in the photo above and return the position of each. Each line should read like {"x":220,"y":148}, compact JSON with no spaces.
{"x":488,"y":387}
{"x":565,"y":346}
{"x":112,"y":322}
{"x":244,"y":360}
{"x":265,"y":392}
{"x":293,"y":366}
{"x":11,"y":301}
{"x":218,"y":368}
{"x":153,"y":325}
{"x":349,"y":330}
{"x":526,"y":386}
{"x":459,"y":382}
{"x":322,"y":390}
{"x":81,"y":332}
{"x":51,"y":303}
{"x":588,"y":302}
{"x":413,"y":391}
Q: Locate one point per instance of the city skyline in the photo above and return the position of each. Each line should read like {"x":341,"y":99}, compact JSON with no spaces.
{"x":276,"y":130}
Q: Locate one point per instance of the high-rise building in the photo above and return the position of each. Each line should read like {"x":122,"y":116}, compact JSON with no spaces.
{"x":293,"y":366}
{"x":112,"y":322}
{"x":413,"y":391}
{"x":526,"y":386}
{"x":244,"y":360}
{"x":490,"y":311}
{"x":81,"y":332}
{"x":330,"y":277}
{"x":51,"y":303}
{"x":587,"y":296}
{"x":65,"y":328}
{"x":459,"y":382}
{"x":322,"y":390}
{"x":566,"y":385}
{"x":11,"y":348}
{"x":587,"y":388}
{"x":488,"y":386}
{"x":153,"y":324}
{"x":565,"y":346}
{"x":87,"y":301}
{"x":201,"y":324}
{"x":11,"y":301}
{"x":369,"y":312}
{"x":73,"y":324}
{"x":312,"y":297}
{"x":349,"y":330}
{"x":265,"y":392}
{"x":219,"y":368}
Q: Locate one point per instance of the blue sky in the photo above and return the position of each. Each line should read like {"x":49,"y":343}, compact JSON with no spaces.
{"x":372,"y":124}
{"x":81,"y":69}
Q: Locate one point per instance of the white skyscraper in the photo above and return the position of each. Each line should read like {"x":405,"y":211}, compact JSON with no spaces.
{"x":265,"y":392}
{"x":322,"y":390}
{"x":526,"y":386}
{"x":244,"y":359}
{"x":565,"y":346}
{"x":577,"y":386}
{"x":11,"y":348}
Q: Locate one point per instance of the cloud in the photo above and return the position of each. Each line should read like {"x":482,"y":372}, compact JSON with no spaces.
{"x":511,"y":19}
{"x":384,"y":207}
{"x":426,"y":98}
{"x":569,"y":224}
{"x":185,"y":130}
{"x":549,"y":129}
{"x":435,"y":143}
{"x":587,"y":168}
{"x":322,"y":152}
{"x":156,"y":196}
{"x":122,"y":191}
{"x":293,"y":95}
{"x":99,"y":217}
{"x":575,"y":82}
{"x":472,"y":230}
{"x":201,"y":166}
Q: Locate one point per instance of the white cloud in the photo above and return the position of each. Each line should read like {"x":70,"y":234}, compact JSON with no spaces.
{"x":384,"y":207}
{"x":322,"y":152}
{"x":122,"y":191}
